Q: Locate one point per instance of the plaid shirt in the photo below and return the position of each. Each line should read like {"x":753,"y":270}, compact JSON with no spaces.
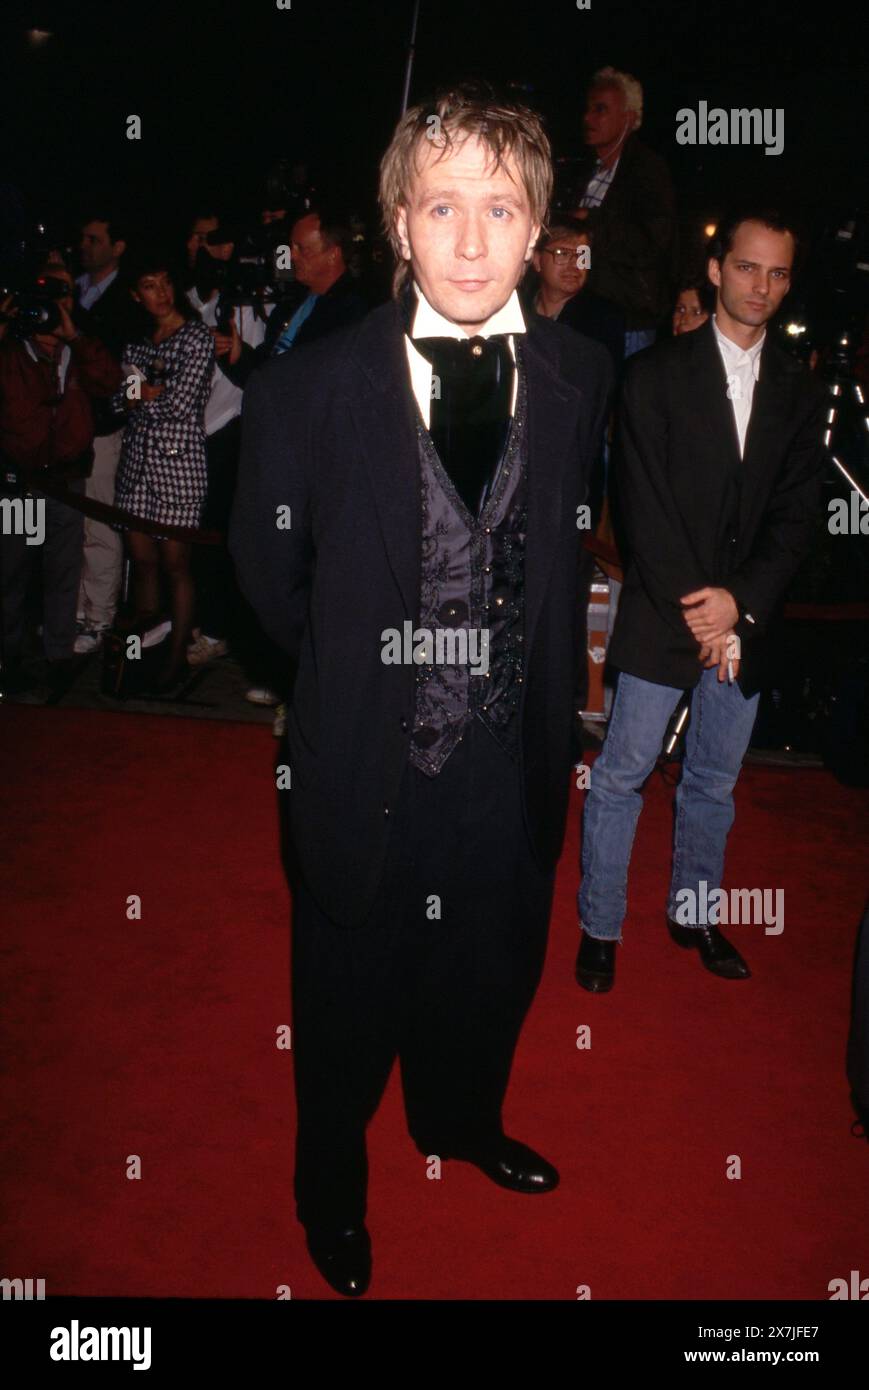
{"x":598,"y":185}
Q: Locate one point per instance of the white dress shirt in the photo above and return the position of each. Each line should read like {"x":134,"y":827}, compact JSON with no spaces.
{"x":224,"y":403}
{"x":428,"y":323}
{"x":743,"y":369}
{"x":89,"y":293}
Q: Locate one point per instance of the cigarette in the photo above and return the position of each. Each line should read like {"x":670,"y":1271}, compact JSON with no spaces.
{"x":730,"y":672}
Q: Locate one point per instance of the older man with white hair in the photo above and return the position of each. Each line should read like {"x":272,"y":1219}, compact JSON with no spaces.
{"x":629,"y":203}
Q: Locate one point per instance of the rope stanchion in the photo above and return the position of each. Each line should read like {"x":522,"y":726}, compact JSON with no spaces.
{"x":601,"y":550}
{"x":103,"y":511}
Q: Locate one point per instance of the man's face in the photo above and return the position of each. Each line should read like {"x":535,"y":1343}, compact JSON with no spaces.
{"x":557,"y":266}
{"x":198,"y":232}
{"x":467,"y":231}
{"x":220,"y":250}
{"x":605,"y":117}
{"x":316,"y":264}
{"x":755,"y":275}
{"x":96,"y":249}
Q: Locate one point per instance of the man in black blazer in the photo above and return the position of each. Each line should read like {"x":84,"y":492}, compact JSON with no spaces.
{"x":719,"y":459}
{"x":433,"y":459}
{"x":627,"y":197}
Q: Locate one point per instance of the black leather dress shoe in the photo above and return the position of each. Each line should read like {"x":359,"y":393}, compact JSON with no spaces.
{"x":596,"y":964}
{"x":510,"y":1164}
{"x":343,"y":1258}
{"x":716,"y":952}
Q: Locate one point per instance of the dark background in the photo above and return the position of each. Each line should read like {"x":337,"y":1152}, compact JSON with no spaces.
{"x":225,"y":88}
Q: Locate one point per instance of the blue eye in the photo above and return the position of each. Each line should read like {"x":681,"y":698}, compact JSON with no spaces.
{"x":441,"y":207}
{"x":505,"y":212}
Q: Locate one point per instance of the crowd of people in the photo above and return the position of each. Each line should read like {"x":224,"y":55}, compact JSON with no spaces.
{"x":132,"y":393}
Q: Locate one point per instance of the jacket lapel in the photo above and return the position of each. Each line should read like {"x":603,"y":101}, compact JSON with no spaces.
{"x":710,"y":388}
{"x":382,"y":410}
{"x":554,"y":406}
{"x":769,"y":409}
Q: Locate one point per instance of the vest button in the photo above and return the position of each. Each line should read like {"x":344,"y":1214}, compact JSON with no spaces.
{"x":453,"y":611}
{"x":386,"y":810}
{"x":403,"y":724}
{"x":477,"y":350}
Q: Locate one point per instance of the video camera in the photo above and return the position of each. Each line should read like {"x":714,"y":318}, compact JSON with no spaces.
{"x":34,"y":305}
{"x":252,"y":275}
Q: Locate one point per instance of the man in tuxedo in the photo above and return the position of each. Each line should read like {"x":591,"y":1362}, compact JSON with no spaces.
{"x":433,"y":459}
{"x":719,"y":460}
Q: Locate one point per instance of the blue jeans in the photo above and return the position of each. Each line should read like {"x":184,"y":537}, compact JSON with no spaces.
{"x":721,"y":722}
{"x":638,"y":338}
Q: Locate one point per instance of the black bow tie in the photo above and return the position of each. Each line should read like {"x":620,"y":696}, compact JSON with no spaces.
{"x":472,"y":381}
{"x":465,"y":354}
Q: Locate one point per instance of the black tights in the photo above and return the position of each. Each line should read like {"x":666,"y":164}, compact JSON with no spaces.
{"x":150,"y":556}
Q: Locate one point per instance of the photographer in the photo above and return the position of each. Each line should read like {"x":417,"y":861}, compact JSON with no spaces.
{"x":48,"y":372}
{"x":237,"y":329}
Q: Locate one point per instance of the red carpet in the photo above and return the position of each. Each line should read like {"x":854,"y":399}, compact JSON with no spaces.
{"x":156,"y":1038}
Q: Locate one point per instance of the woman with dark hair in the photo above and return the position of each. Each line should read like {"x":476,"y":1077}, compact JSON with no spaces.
{"x":162,"y":473}
{"x":694,"y":303}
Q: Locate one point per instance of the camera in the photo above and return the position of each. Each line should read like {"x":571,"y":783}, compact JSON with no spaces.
{"x":34,"y":308}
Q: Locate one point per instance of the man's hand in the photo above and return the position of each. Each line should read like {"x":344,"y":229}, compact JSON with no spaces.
{"x":66,"y":329}
{"x":227,"y":344}
{"x":715,"y":653}
{"x":709,"y":613}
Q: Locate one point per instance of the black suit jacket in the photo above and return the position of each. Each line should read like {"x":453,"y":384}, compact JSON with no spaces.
{"x":115,"y":321}
{"x":694,"y":514}
{"x":597,"y":318}
{"x":634,"y":257}
{"x":341,"y":305}
{"x":331,"y":433}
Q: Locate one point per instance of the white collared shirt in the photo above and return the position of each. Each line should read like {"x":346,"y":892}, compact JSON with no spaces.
{"x":428,"y":323}
{"x":89,"y":293}
{"x":224,"y":402}
{"x":60,"y":364}
{"x":743,"y":370}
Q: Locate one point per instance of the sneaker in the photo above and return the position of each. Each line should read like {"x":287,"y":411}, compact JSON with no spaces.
{"x":279,"y":727}
{"x":206,"y":649}
{"x":261,"y":695}
{"x":90,"y":639}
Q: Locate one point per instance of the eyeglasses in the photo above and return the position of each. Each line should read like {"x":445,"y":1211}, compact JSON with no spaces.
{"x":562,"y":254}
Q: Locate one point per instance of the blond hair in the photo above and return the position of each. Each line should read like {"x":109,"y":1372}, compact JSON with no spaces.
{"x":505,"y":128}
{"x":630,"y":88}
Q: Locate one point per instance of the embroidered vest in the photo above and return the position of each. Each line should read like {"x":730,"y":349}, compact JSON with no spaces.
{"x":472,"y":604}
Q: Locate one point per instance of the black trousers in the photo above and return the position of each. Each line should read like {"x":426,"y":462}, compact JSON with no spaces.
{"x":60,"y":556}
{"x":441,"y":975}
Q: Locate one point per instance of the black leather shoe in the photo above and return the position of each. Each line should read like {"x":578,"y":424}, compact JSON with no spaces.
{"x":596,"y":964}
{"x":510,"y":1164}
{"x":343,"y":1258}
{"x":716,"y":952}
